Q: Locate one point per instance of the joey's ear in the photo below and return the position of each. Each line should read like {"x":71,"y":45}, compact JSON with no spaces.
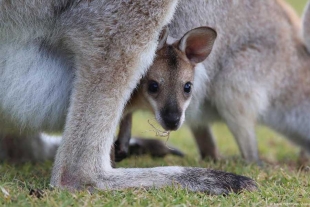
{"x":197,"y":43}
{"x":162,"y":37}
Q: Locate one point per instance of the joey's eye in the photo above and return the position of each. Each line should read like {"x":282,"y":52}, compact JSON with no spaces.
{"x":153,"y":87}
{"x":188,"y":87}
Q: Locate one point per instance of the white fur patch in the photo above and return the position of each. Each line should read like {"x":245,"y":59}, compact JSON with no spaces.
{"x":199,"y":88}
{"x":186,"y":104}
{"x":34,"y":87}
{"x":171,"y":40}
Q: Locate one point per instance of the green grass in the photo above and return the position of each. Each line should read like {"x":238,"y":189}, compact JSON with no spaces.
{"x":280,"y":182}
{"x":298,"y":5}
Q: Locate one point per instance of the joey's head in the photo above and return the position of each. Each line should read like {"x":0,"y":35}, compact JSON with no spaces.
{"x":169,"y":82}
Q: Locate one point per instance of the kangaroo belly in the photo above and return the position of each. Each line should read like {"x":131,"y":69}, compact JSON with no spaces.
{"x":35,"y":86}
{"x":291,"y":121}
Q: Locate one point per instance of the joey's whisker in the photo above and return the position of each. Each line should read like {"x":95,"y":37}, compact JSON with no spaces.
{"x":161,"y":133}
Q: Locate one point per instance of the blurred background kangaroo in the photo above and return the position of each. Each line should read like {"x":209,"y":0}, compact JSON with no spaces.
{"x":258,"y":72}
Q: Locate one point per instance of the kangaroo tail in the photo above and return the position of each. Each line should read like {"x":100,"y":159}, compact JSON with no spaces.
{"x":194,"y":179}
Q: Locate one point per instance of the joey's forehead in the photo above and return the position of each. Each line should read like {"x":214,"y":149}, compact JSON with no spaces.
{"x":171,"y":59}
{"x":162,"y":71}
{"x":169,"y":55}
{"x":170,"y":65}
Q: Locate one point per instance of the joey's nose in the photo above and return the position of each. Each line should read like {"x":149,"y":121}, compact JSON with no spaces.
{"x":171,"y":120}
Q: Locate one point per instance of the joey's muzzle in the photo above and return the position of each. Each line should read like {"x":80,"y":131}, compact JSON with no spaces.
{"x":171,"y":118}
